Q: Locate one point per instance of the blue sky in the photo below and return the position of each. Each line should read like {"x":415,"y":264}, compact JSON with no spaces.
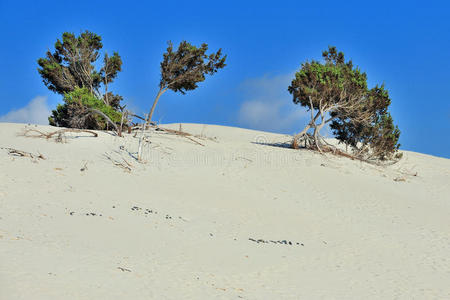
{"x":404,"y":44}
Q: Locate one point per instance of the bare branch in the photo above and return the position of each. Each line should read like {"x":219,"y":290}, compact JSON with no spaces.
{"x":105,"y":117}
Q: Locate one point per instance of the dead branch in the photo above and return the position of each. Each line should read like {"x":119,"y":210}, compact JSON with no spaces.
{"x":142,"y":140}
{"x":191,"y":139}
{"x":48,"y":135}
{"x":96,"y":111}
{"x":337,"y":152}
{"x":84,"y":168}
{"x":20,"y":153}
{"x":126,"y":166}
{"x":180,"y":133}
{"x":397,"y":179}
{"x":139,"y":117}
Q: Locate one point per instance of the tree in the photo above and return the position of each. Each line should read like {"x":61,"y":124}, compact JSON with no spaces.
{"x":335,"y":91}
{"x":70,"y":71}
{"x":182,"y":70}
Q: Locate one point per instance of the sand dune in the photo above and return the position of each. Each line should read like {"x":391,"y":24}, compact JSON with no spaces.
{"x":239,"y":217}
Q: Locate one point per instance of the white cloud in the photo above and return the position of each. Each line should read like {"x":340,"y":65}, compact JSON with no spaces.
{"x":35,"y":112}
{"x":269,"y":106}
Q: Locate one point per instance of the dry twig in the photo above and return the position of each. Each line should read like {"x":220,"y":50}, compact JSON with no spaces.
{"x":39,"y":134}
{"x":84,"y":168}
{"x":333,"y":150}
{"x":124,"y":165}
{"x":20,"y":153}
{"x":180,"y":133}
{"x":123,"y":269}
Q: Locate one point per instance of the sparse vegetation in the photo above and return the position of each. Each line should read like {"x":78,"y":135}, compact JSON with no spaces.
{"x":334,"y":91}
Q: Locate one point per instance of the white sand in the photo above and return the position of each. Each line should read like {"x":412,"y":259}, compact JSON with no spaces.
{"x":364,"y":235}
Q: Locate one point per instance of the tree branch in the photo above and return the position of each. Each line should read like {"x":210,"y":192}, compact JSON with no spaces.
{"x":105,"y":117}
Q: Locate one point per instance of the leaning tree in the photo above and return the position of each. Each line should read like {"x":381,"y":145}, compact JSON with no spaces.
{"x":183,"y":69}
{"x":336,"y":93}
{"x":70,"y":71}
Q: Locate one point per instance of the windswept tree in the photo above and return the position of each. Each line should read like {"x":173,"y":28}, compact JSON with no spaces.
{"x":183,"y":69}
{"x":336,"y":93}
{"x":70,"y":71}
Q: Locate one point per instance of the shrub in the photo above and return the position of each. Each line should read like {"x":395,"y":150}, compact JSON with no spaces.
{"x":80,"y":111}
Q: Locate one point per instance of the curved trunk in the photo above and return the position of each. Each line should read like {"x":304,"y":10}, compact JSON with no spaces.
{"x":311,"y":124}
{"x":149,"y":118}
{"x":317,"y":135}
{"x":299,"y":135}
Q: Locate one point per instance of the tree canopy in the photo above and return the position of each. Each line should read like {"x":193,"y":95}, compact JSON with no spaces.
{"x":183,"y":69}
{"x":336,"y":91}
{"x":70,"y":71}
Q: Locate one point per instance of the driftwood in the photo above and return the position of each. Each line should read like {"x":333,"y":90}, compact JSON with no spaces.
{"x":39,"y":134}
{"x":84,"y":168}
{"x":123,"y":269}
{"x":399,"y":179}
{"x":20,"y":153}
{"x":126,"y":166}
{"x":180,"y":133}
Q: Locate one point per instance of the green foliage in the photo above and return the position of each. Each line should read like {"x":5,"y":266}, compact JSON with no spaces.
{"x":375,"y":138}
{"x":112,"y":100}
{"x":76,"y":112}
{"x":359,"y":115}
{"x":384,"y":137}
{"x":71,"y":65}
{"x":112,"y":65}
{"x":60,"y":116}
{"x":70,"y":71}
{"x":333,"y":83}
{"x":183,"y":69}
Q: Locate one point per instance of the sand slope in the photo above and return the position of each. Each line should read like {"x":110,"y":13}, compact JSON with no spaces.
{"x":185,"y":225}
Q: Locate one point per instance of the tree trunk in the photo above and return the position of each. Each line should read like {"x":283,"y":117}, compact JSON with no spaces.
{"x":317,"y":134}
{"x":149,"y":118}
{"x":106,"y":101}
{"x":312,"y":123}
{"x":298,"y":136}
